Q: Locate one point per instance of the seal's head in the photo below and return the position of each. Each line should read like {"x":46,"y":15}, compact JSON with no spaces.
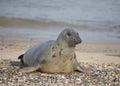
{"x":70,"y":37}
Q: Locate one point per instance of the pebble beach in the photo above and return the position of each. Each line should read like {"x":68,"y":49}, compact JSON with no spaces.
{"x":102,"y":75}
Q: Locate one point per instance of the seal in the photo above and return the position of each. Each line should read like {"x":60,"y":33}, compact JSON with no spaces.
{"x":54,"y":56}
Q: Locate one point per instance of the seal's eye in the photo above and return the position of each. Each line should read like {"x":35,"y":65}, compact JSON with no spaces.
{"x":69,"y":34}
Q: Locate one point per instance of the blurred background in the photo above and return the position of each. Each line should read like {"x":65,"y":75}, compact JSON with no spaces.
{"x":95,"y":20}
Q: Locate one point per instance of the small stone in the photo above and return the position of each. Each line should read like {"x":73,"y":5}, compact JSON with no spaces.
{"x":96,"y":73}
{"x":63,"y":77}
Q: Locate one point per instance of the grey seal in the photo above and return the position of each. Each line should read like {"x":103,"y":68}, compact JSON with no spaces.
{"x":54,"y":56}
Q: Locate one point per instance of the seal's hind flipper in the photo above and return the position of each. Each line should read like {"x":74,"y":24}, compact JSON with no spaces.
{"x":21,"y":58}
{"x":29,"y":69}
{"x":80,"y":69}
{"x":83,"y":69}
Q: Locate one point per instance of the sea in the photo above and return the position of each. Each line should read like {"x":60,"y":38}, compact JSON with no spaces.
{"x":95,"y":20}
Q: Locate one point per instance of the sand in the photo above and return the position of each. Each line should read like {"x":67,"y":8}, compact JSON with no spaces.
{"x":86,"y":52}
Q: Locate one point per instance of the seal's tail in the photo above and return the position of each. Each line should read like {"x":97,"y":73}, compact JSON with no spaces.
{"x":21,"y":58}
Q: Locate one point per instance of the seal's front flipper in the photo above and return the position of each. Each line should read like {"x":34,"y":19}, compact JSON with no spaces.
{"x":29,"y":69}
{"x":83,"y":69}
